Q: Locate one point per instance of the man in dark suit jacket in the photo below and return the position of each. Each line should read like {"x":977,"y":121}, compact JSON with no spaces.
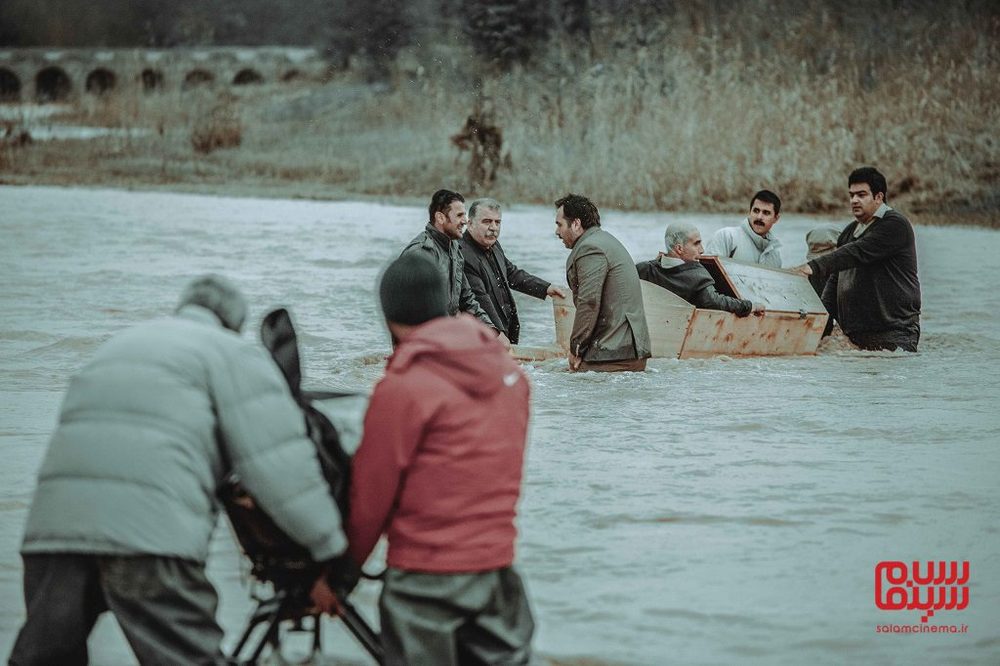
{"x":492,"y":275}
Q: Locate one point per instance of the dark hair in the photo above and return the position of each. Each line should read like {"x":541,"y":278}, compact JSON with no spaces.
{"x":579,"y":207}
{"x":441,"y":202}
{"x":871,"y":177}
{"x":767,"y":196}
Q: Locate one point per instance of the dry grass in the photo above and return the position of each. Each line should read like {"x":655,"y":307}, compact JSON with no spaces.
{"x":695,"y":113}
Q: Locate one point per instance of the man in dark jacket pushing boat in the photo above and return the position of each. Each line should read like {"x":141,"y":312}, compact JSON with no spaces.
{"x":679,"y":271}
{"x":873,"y":290}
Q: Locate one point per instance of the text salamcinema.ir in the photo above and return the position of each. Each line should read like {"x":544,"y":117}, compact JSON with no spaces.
{"x":927,"y":587}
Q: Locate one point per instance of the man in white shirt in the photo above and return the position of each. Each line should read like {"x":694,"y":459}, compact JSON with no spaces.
{"x":752,"y":242}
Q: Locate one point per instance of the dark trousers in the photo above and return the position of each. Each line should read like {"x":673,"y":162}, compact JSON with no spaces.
{"x":165,"y":606}
{"x":631,"y":365}
{"x":905,"y":339}
{"x":475,"y":619}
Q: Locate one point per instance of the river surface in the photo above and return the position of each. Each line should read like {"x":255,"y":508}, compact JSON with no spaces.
{"x":717,"y":511}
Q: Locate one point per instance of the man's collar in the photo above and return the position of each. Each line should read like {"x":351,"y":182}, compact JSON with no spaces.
{"x":666,"y":261}
{"x":439,"y":237}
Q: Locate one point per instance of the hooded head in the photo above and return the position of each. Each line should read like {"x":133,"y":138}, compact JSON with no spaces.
{"x":219,"y":295}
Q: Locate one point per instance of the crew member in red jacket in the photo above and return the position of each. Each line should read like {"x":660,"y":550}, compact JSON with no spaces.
{"x":439,"y":472}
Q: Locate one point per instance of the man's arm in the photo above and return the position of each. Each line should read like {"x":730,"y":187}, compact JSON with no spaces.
{"x":391,"y":434}
{"x":884,"y":239}
{"x":591,"y":271}
{"x":263,"y":432}
{"x":525,"y":282}
{"x":477,"y":283}
{"x":710,"y":299}
{"x":829,"y":296}
{"x":467,"y":302}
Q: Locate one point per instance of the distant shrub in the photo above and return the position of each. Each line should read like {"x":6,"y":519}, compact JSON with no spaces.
{"x":220,"y":128}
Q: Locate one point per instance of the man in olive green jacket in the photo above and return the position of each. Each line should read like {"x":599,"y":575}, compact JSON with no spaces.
{"x":609,"y":331}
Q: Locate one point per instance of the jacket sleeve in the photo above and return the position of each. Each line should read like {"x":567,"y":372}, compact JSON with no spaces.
{"x":710,"y":298}
{"x":467,"y":301}
{"x":591,"y":270}
{"x":885,"y":238}
{"x":392,"y":432}
{"x":479,"y":290}
{"x":829,"y":296}
{"x":525,"y":282}
{"x":264,"y":433}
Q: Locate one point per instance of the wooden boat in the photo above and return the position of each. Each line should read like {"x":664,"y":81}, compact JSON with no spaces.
{"x":793,"y":323}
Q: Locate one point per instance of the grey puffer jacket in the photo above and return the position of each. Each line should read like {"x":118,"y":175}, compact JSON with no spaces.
{"x":135,"y":461}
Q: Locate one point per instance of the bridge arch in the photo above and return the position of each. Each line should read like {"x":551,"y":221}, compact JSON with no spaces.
{"x":52,"y":84}
{"x":247,"y":76}
{"x":100,"y":81}
{"x":10,"y":86}
{"x":292,"y":75}
{"x":198,"y":77}
{"x":151,"y":79}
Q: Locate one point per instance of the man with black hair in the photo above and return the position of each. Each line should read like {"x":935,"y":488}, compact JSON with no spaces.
{"x":752,"y":242}
{"x":439,"y":472}
{"x":126,"y":497}
{"x":439,"y":242}
{"x":609,"y":330}
{"x":873,"y":290}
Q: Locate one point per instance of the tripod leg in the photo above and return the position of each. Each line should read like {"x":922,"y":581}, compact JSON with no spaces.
{"x":362,"y":631}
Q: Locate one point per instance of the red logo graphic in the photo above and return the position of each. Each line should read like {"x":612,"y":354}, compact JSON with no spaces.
{"x":928,"y":586}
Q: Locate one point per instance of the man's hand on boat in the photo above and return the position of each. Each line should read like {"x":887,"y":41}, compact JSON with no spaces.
{"x":802,"y":269}
{"x":758,"y":310}
{"x":574,"y":362}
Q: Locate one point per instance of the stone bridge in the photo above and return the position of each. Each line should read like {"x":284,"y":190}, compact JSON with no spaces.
{"x":57,"y":75}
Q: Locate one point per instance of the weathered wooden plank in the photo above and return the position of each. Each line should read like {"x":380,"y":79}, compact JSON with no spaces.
{"x":773,"y":288}
{"x":667,"y":317}
{"x":532,"y":354}
{"x":713,"y":332}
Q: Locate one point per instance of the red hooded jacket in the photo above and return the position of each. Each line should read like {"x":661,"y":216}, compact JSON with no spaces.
{"x":439,"y":466}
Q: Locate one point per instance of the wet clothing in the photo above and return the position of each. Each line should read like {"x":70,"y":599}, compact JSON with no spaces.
{"x":448,"y":258}
{"x":742,"y":243}
{"x":873,"y":290}
{"x":492,"y":276}
{"x":692,"y":282}
{"x":165,"y":606}
{"x":610,"y":323}
{"x":126,"y":497}
{"x":439,"y":472}
{"x":447,"y":620}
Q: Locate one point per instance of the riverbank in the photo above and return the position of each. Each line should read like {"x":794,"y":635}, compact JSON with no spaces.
{"x":656,"y":115}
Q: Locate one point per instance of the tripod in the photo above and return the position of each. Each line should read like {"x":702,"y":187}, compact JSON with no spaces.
{"x":289,"y":604}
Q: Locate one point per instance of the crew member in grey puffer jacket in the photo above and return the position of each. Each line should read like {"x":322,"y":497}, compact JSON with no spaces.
{"x":126,"y":497}
{"x":678,"y":271}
